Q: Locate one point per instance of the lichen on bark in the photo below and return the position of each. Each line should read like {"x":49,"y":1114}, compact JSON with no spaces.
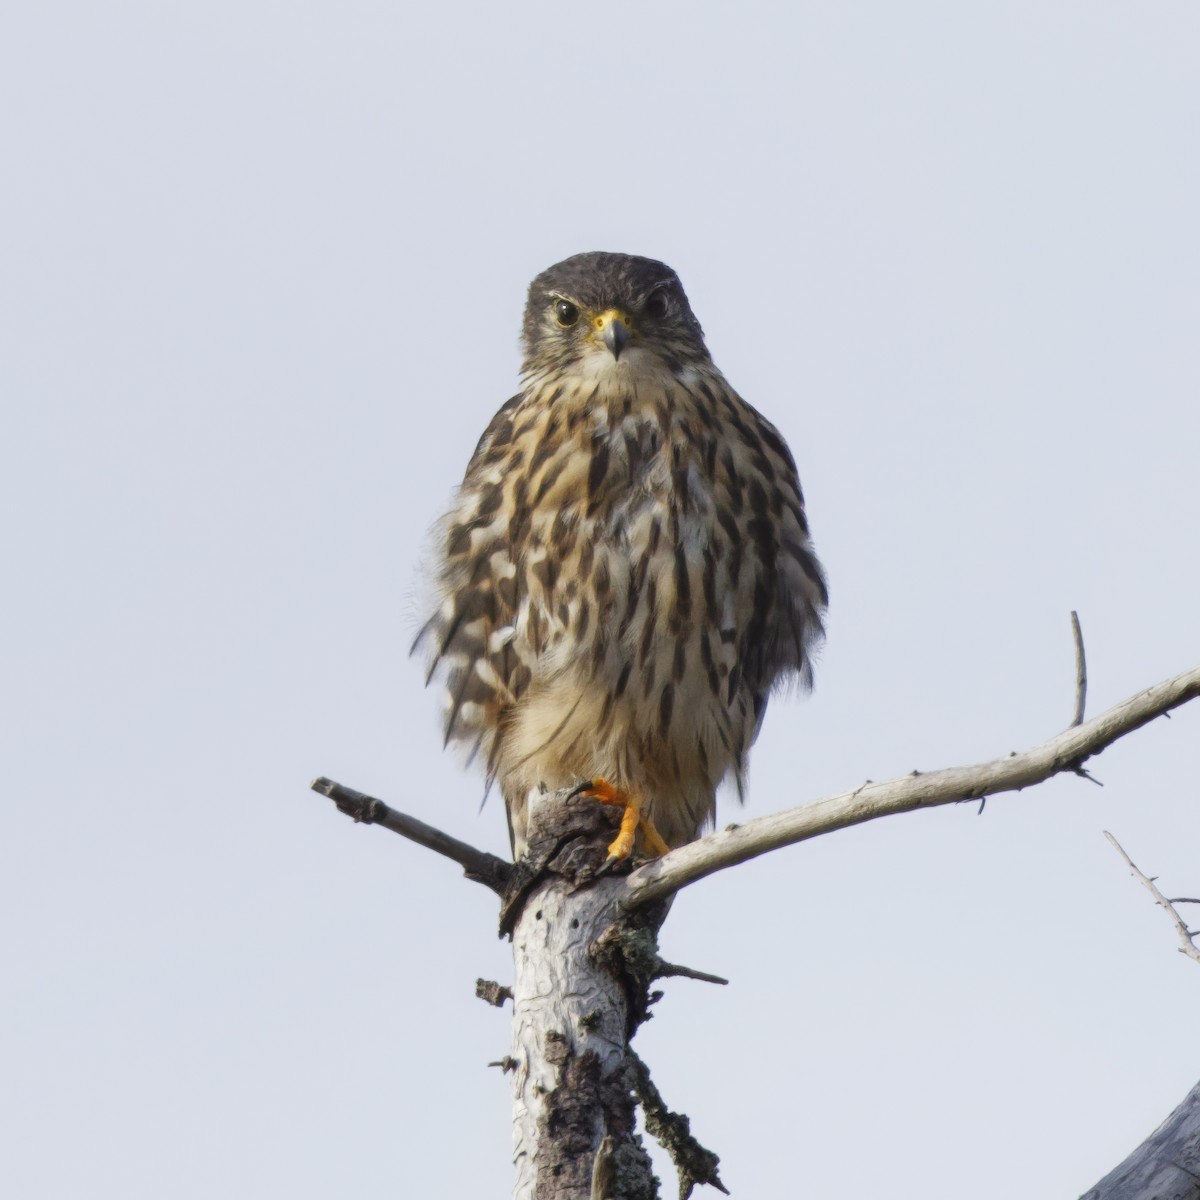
{"x":582,"y":973}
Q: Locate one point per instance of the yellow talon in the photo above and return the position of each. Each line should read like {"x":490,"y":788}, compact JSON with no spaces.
{"x":632,"y":819}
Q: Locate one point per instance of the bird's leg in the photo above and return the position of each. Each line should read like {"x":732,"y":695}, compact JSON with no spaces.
{"x":651,"y":837}
{"x":632,"y":819}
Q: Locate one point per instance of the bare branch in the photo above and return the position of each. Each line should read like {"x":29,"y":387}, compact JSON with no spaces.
{"x":1067,"y":752}
{"x":1080,"y":671}
{"x":478,"y":865}
{"x":1186,"y":936}
{"x":673,"y":1132}
{"x":668,"y":970}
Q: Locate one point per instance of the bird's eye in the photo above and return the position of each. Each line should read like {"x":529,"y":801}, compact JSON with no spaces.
{"x":656,"y":305}
{"x":566,"y":313}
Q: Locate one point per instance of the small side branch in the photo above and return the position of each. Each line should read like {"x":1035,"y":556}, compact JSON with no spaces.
{"x":693,"y":1163}
{"x":1187,"y":937}
{"x":668,"y":970}
{"x":1080,"y":672}
{"x":478,"y":865}
{"x":1067,"y":752}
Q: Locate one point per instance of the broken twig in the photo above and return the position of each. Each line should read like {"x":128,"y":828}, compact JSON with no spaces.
{"x":1187,"y":937}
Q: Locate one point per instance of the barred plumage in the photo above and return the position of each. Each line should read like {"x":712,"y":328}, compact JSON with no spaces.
{"x":626,"y":572}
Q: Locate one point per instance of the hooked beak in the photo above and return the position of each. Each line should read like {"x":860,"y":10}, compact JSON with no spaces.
{"x":614,"y":330}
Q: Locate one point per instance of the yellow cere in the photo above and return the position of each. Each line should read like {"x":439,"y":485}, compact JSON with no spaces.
{"x":607,"y":317}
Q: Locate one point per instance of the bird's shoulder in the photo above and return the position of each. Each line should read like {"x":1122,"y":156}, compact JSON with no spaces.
{"x":496,"y":437}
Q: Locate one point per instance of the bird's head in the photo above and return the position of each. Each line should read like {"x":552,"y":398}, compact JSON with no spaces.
{"x":609,"y":312}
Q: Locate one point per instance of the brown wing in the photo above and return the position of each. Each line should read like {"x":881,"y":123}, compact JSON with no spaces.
{"x":769,"y":569}
{"x":469,"y":636}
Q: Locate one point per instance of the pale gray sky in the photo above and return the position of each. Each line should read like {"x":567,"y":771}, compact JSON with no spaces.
{"x":261,"y":279}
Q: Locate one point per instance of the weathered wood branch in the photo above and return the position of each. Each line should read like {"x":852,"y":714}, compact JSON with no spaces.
{"x":585,"y":954}
{"x":1166,"y":1166}
{"x":1068,"y":751}
{"x":1080,"y":670}
{"x":477,"y":865}
{"x":661,"y":878}
{"x":1187,"y":937}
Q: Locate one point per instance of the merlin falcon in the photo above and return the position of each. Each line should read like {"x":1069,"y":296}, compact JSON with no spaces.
{"x":626,"y":574}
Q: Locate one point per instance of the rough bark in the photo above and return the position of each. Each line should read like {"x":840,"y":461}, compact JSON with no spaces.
{"x":574,"y":1009}
{"x":583,"y":967}
{"x":572,"y":1084}
{"x":1166,"y":1166}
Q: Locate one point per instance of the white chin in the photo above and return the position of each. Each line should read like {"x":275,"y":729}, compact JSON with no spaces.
{"x":634,"y":362}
